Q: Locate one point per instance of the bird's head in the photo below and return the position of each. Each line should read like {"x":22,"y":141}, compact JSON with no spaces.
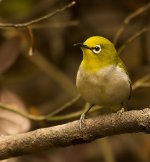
{"x":98,"y":51}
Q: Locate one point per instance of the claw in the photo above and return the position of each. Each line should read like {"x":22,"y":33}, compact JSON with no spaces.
{"x":82,"y":118}
{"x":120,"y":111}
{"x":82,"y":121}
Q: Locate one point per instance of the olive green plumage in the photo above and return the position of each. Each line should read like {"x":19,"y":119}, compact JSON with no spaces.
{"x":102,"y":77}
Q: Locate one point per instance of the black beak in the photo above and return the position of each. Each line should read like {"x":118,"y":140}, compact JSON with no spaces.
{"x":81,"y":45}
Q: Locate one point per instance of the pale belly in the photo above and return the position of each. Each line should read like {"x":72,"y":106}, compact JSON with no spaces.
{"x":107,"y":87}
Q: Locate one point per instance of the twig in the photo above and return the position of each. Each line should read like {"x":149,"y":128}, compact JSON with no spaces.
{"x":128,"y":19}
{"x":52,"y":71}
{"x":64,"y":82}
{"x":70,"y":116}
{"x":46,"y":117}
{"x":132,"y":38}
{"x":63,"y":107}
{"x":56,"y":25}
{"x":142,"y":82}
{"x":70,"y":134}
{"x":31,"y":47}
{"x":26,"y":115}
{"x":29,"y":23}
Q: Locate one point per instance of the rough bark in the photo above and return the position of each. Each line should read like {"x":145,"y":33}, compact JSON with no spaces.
{"x":70,"y":134}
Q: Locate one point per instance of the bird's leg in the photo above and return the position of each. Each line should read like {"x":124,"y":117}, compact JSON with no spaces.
{"x":83,"y":115}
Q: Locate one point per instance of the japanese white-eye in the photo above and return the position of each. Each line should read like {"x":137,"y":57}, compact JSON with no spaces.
{"x":102,"y":78}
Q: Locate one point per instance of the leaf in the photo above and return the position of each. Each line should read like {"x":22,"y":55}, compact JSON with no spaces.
{"x":11,"y":123}
{"x":9,"y":51}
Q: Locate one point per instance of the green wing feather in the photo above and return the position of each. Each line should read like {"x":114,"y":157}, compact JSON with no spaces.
{"x":122,"y":65}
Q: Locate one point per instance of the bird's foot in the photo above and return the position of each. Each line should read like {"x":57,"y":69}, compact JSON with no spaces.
{"x":82,"y":121}
{"x":120,"y":111}
{"x":83,"y":115}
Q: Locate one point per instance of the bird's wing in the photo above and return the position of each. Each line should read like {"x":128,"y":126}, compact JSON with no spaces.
{"x":122,"y":65}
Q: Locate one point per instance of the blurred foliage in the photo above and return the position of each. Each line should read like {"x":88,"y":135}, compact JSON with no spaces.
{"x":11,"y":8}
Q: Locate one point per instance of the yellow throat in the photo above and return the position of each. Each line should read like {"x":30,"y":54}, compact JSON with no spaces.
{"x":98,"y":52}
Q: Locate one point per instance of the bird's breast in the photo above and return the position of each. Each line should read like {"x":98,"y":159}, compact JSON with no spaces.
{"x":108,"y":86}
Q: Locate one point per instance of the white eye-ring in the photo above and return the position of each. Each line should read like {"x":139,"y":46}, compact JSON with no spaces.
{"x":97,"y":49}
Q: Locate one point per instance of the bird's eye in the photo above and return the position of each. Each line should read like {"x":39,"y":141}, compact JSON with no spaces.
{"x":97,"y":49}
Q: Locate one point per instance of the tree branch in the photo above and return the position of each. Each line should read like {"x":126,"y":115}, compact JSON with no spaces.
{"x":132,"y":38}
{"x":128,"y":19}
{"x":70,"y":134}
{"x":34,"y":21}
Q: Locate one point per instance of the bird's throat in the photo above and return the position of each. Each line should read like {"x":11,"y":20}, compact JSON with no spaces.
{"x":95,"y":65}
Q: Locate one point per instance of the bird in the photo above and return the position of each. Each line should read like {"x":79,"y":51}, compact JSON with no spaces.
{"x":102,"y":78}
